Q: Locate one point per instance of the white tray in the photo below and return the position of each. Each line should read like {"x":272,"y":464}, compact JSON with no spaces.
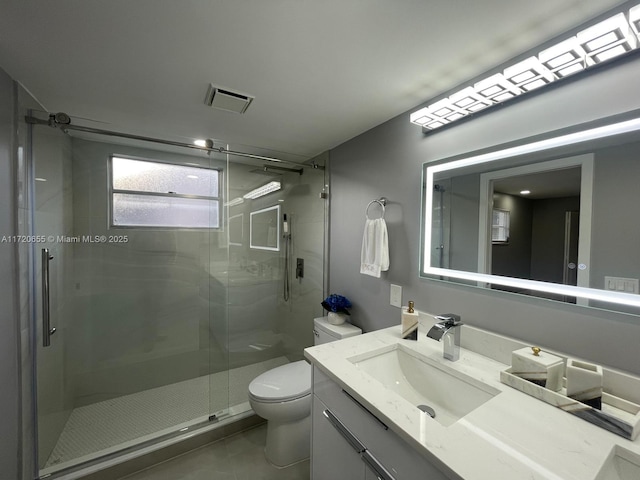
{"x":618,"y":415}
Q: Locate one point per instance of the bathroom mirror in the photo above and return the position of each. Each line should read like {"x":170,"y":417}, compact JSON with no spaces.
{"x":553,"y":216}
{"x":264,"y":229}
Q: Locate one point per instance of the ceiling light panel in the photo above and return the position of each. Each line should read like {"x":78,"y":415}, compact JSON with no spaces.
{"x":598,"y":43}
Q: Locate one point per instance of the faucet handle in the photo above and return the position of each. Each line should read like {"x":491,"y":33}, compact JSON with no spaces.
{"x":450,"y":319}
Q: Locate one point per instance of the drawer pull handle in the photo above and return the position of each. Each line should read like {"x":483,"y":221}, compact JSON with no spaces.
{"x":382,"y":424}
{"x":378,"y":469}
{"x":342,"y":430}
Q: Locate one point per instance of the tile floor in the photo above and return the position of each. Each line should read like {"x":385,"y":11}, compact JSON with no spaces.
{"x":239,"y":457}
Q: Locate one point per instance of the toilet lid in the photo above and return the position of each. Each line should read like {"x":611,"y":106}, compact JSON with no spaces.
{"x":286,"y":382}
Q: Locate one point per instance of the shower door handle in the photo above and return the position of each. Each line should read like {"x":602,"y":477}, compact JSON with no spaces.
{"x":47,"y":331}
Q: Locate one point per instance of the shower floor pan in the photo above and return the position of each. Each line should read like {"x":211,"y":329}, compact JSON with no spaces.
{"x":108,"y":426}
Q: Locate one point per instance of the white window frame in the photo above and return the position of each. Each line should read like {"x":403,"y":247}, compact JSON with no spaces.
{"x":502,"y":226}
{"x":113,"y":191}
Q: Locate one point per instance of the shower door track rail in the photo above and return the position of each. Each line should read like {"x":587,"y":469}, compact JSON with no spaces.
{"x":52,"y":122}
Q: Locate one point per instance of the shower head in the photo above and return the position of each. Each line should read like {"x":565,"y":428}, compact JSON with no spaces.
{"x":439,"y":188}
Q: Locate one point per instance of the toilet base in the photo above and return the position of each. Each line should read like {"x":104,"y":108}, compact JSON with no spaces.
{"x":288,"y":443}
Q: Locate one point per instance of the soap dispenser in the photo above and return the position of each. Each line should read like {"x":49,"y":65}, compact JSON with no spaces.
{"x":409,"y":322}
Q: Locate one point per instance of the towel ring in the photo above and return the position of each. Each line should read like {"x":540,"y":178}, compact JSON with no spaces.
{"x":381,"y":201}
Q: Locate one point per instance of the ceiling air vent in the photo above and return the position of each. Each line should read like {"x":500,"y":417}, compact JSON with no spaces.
{"x":225,"y":99}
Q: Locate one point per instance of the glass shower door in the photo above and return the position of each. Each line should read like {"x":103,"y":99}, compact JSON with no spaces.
{"x":138,"y":317}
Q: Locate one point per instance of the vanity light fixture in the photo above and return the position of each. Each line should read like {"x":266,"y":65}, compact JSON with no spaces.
{"x":263,"y":190}
{"x":529,"y":74}
{"x":565,"y":58}
{"x":497,"y":88}
{"x":525,"y":192}
{"x":469,"y":100}
{"x":610,"y":38}
{"x":634,"y":19}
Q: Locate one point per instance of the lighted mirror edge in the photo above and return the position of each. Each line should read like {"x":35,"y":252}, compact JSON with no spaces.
{"x":617,"y":128}
{"x":567,"y":290}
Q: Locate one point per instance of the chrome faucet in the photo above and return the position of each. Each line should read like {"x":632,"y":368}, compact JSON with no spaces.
{"x":447,"y":328}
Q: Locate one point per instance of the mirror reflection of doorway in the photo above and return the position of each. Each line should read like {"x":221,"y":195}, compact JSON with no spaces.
{"x":544,"y":243}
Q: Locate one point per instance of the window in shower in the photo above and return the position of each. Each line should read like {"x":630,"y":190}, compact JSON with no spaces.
{"x":147,"y":193}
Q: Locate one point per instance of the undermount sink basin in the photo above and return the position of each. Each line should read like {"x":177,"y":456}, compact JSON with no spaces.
{"x":444,"y":393}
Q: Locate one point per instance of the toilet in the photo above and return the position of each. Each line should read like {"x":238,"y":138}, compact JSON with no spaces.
{"x":282,"y":396}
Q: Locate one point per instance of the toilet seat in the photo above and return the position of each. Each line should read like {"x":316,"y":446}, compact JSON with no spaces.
{"x":282,"y":384}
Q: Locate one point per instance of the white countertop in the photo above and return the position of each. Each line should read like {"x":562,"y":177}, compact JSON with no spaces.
{"x":511,"y":436}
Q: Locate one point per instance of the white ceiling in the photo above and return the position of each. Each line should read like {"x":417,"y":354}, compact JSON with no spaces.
{"x":322,"y":71}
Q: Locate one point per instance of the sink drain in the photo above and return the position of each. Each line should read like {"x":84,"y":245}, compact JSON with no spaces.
{"x":428,"y":410}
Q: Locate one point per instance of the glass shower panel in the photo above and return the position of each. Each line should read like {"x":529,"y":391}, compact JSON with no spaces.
{"x":134,"y":309}
{"x":53,"y":221}
{"x":269,"y":326}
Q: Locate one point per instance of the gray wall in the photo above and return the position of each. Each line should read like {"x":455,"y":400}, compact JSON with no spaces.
{"x":9,"y":294}
{"x":386,"y":161}
{"x":616,"y":198}
{"x":547,"y":249}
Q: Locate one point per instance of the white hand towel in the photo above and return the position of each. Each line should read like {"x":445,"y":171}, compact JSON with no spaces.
{"x":375,"y":248}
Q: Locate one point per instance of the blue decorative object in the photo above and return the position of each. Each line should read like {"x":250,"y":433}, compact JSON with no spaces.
{"x":336,"y":303}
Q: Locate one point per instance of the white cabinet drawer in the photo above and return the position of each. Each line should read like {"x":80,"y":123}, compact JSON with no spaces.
{"x":333,"y":456}
{"x":401,"y":460}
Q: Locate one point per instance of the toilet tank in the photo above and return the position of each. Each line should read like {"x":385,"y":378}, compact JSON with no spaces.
{"x":324,"y":332}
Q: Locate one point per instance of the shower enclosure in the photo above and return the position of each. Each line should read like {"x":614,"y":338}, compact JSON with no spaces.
{"x":158,"y":287}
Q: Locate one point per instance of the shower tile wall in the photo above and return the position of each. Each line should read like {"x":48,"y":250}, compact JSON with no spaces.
{"x":260,"y":327}
{"x":306,"y":210}
{"x":142,"y":307}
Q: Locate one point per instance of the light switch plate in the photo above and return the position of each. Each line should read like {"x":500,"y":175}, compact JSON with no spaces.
{"x":623,"y":285}
{"x":395,"y":297}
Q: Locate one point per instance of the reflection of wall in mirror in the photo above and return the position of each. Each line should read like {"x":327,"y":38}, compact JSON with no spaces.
{"x":548,"y":237}
{"x":615,"y":238}
{"x":464,"y":198}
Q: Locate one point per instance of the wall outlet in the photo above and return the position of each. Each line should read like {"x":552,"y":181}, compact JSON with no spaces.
{"x":395,"y":297}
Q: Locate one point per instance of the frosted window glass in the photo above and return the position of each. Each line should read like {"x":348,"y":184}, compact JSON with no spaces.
{"x":175,"y":195}
{"x":162,"y":211}
{"x":500,"y":226}
{"x":142,"y":176}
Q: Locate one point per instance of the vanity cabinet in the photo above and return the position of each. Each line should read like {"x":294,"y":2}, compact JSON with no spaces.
{"x":333,"y":456}
{"x":350,"y":442}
